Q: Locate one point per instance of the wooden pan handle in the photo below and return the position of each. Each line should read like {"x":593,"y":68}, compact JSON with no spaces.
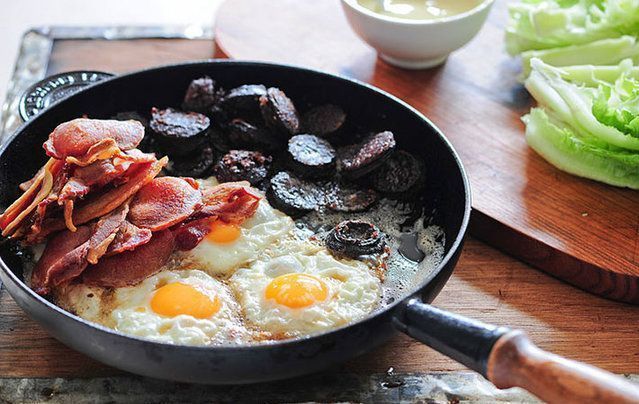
{"x":515,"y":361}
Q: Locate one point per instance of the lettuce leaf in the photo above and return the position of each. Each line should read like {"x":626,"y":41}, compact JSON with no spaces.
{"x":595,"y":108}
{"x":601,"y":52}
{"x":563,"y":147}
{"x":546,"y":24}
{"x":617,"y":105}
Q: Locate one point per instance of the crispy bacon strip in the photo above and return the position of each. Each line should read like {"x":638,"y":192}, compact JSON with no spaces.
{"x":104,"y":233}
{"x":96,"y":175}
{"x":69,"y":253}
{"x":131,"y":267}
{"x":114,"y":198}
{"x":64,"y":252}
{"x":74,"y":188}
{"x":23,"y":206}
{"x":59,"y":179}
{"x":81,"y":137}
{"x":68,"y":217}
{"x":188,"y":235}
{"x":232,"y":202}
{"x":164,"y":202}
{"x":100,"y":205}
{"x":102,"y":150}
{"x":128,"y":238}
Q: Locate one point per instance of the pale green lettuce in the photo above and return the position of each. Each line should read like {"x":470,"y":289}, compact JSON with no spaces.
{"x":587,"y":122}
{"x":561,"y":146}
{"x":601,"y":52}
{"x":546,"y":24}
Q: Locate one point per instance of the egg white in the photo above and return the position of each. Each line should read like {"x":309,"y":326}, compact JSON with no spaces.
{"x":258,"y":234}
{"x":354,"y":291}
{"x":128,"y":310}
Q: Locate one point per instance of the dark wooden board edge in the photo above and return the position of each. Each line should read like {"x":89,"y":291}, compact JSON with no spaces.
{"x":611,"y":285}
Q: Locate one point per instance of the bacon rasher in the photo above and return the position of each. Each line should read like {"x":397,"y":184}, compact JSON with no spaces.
{"x":109,"y":221}
{"x":86,"y":139}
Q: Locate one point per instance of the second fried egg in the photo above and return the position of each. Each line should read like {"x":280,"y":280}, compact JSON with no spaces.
{"x":304,"y":289}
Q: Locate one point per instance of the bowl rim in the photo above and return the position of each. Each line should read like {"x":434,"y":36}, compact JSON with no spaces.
{"x":355,"y":6}
{"x":454,"y":249}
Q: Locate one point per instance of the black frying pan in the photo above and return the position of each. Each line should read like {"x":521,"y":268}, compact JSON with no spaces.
{"x":505,"y":357}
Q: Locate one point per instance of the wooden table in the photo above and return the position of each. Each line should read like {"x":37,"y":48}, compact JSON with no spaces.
{"x":487,"y":285}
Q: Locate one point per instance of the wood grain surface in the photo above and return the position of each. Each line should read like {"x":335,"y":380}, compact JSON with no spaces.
{"x":576,"y":229}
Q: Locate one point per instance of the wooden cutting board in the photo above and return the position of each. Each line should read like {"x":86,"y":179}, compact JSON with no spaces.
{"x":578,"y":230}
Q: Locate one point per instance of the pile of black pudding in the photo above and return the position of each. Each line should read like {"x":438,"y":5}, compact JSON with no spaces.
{"x":308,"y":159}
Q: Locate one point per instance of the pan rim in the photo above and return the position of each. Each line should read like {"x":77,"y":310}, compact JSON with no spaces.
{"x":455,"y":246}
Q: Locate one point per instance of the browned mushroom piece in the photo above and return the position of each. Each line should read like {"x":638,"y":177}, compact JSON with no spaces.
{"x":355,"y":238}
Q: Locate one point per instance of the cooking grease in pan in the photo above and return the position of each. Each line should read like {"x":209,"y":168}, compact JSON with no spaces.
{"x":412,"y":252}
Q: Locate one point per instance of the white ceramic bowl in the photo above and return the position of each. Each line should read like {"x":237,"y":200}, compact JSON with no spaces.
{"x":415,"y":44}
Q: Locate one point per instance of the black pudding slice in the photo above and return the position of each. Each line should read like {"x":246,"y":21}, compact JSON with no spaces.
{"x":362,"y":158}
{"x":310,"y":156}
{"x":202,"y":95}
{"x":219,"y":140}
{"x":354,"y":238}
{"x":179,"y":133}
{"x":292,"y":195}
{"x":244,"y":134}
{"x":401,"y":172}
{"x":242,"y":165}
{"x":243,"y":101}
{"x":323,"y":119}
{"x":346,"y":199}
{"x":279,"y":112}
{"x":197,"y":166}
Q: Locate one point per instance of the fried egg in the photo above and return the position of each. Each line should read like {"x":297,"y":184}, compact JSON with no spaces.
{"x":227,"y":246}
{"x":302,"y":289}
{"x":182,"y":307}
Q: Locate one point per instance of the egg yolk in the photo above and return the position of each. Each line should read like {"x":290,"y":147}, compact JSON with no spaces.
{"x":178,"y":298}
{"x":296,"y":290}
{"x":222,"y":232}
